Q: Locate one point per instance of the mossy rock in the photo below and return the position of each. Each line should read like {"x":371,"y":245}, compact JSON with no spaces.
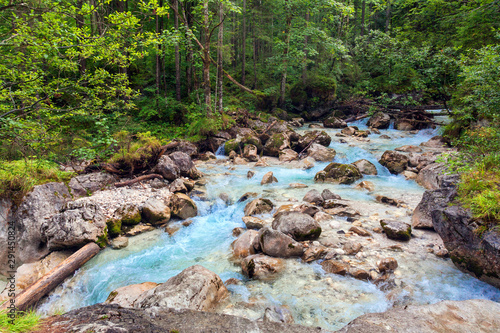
{"x":275,"y":144}
{"x":231,"y":145}
{"x":339,"y":173}
{"x":102,"y":240}
{"x":128,"y":214}
{"x":252,"y":140}
{"x":396,"y":230}
{"x":114,"y":227}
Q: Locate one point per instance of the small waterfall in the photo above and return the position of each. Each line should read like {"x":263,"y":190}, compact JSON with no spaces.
{"x":391,"y":125}
{"x":220,"y":151}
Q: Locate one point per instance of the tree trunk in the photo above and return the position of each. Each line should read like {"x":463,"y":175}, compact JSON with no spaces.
{"x":177,"y":56}
{"x":243,"y":43}
{"x":220,"y":42}
{"x":388,"y":16}
{"x":31,"y":295}
{"x":304,"y":69}
{"x":363,"y":6}
{"x":206,"y":60}
{"x":285,"y":55}
{"x":254,"y":56}
{"x":80,"y":21}
{"x":158,"y":63}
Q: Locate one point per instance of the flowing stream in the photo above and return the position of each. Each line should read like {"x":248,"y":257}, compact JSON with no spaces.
{"x":313,"y":297}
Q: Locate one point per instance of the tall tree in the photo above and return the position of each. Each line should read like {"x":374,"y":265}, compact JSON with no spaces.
{"x":288,"y":27}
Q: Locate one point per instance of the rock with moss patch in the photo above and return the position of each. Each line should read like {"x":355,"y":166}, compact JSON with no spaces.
{"x":114,"y":227}
{"x":276,"y":143}
{"x":379,"y":120}
{"x":334,"y":122}
{"x":84,"y":185}
{"x":396,"y":230}
{"x":298,"y":225}
{"x":339,"y":173}
{"x":320,"y":137}
{"x":250,"y":153}
{"x":276,"y":244}
{"x":366,"y":167}
{"x":262,"y":267}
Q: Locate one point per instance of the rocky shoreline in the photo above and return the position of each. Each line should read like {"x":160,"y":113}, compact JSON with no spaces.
{"x":347,"y":238}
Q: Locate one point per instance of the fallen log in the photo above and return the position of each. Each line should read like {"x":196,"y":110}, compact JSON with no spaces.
{"x":31,"y":295}
{"x":138,"y":179}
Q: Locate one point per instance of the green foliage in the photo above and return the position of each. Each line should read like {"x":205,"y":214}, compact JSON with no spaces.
{"x":134,"y":148}
{"x":19,"y":177}
{"x":24,"y":322}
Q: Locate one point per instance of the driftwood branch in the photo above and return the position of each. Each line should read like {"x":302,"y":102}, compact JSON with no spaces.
{"x":31,"y":295}
{"x":138,"y":179}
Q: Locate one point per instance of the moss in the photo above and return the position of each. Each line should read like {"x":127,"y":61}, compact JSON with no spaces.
{"x":313,"y":234}
{"x":114,"y":227}
{"x":231,"y":145}
{"x":339,"y":173}
{"x":102,"y":240}
{"x":131,"y":216}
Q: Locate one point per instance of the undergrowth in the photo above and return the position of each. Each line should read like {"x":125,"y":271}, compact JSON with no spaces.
{"x":18,"y":177}
{"x":24,"y":322}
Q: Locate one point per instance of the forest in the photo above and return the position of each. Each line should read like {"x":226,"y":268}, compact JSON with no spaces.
{"x":80,"y":80}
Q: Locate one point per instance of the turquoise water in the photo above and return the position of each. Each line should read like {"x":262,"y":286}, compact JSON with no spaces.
{"x":314,"y":298}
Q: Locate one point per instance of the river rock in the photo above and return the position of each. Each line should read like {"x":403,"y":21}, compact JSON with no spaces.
{"x":403,"y":124}
{"x":119,"y":243}
{"x":366,"y":167}
{"x":252,"y":222}
{"x":477,"y":253}
{"x":349,"y":130}
{"x":396,"y":230}
{"x":183,"y":161}
{"x":126,"y":296}
{"x":207,"y":156}
{"x":194,"y":288}
{"x":239,"y":161}
{"x":75,"y":226}
{"x":297,"y":185}
{"x":85,"y":185}
{"x":298,"y":225}
{"x":156,"y":211}
{"x":335,"y":267}
{"x":322,"y":217}
{"x":379,"y":120}
{"x":262,"y":162}
{"x":183,"y":206}
{"x":329,"y":195}
{"x":139,"y":229}
{"x":258,"y":206}
{"x":129,"y":214}
{"x":359,"y":274}
{"x":288,"y":155}
{"x":352,"y":248}
{"x":167,"y":168}
{"x":334,"y":122}
{"x":367,"y":185}
{"x":250,"y":153}
{"x":387,"y":265}
{"x":385,"y":137}
{"x":360,"y":231}
{"x":435,"y":142}
{"x":447,"y":316}
{"x":409,"y":149}
{"x":268,"y":178}
{"x":276,"y":143}
{"x":296,"y":122}
{"x":177,"y":186}
{"x":278,"y":314}
{"x":410,"y":175}
{"x":395,"y":162}
{"x":431,"y":200}
{"x":429,"y":176}
{"x":250,"y":174}
{"x":262,"y":267}
{"x":339,"y":173}
{"x":276,"y":244}
{"x":314,"y":252}
{"x":321,"y":153}
{"x":320,"y":137}
{"x":243,"y":246}
{"x":313,"y":196}
{"x":389,"y":201}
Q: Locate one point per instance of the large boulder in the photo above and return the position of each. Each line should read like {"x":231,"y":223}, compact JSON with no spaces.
{"x":396,"y":230}
{"x":167,"y":168}
{"x":431,"y":200}
{"x":258,"y":206}
{"x":84,"y":185}
{"x":435,"y":142}
{"x":429,"y":176}
{"x":321,"y":153}
{"x":313,"y":196}
{"x":394,"y":162}
{"x":128,"y":214}
{"x":320,"y":137}
{"x":183,"y":206}
{"x":334,"y":122}
{"x":339,"y":173}
{"x":156,"y":211}
{"x":276,"y":244}
{"x":366,"y":167}
{"x":473,"y":247}
{"x":76,"y":225}
{"x":244,"y":245}
{"x":288,"y":155}
{"x":126,"y":296}
{"x":262,"y":267}
{"x":268,"y":178}
{"x":38,"y":206}
{"x":297,"y":225}
{"x":379,"y":120}
{"x":185,"y":164}
{"x":275,"y":144}
{"x":194,"y":288}
{"x":250,"y":153}
{"x":479,"y":316}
